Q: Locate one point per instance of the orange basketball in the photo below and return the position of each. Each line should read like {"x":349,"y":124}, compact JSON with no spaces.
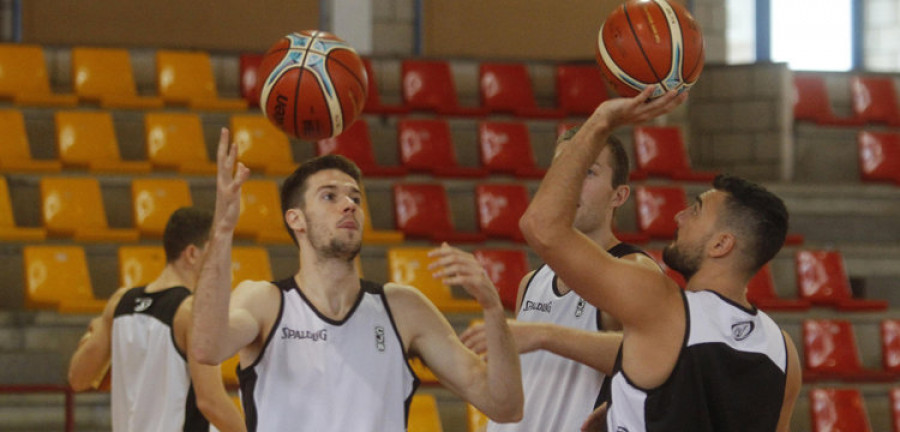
{"x":645,"y":42}
{"x":313,"y":85}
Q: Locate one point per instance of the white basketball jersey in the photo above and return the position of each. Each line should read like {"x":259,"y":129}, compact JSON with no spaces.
{"x":317,"y":374}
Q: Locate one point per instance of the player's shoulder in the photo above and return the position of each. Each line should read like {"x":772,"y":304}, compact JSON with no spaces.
{"x":642,"y":259}
{"x":252,"y":294}
{"x":404,"y":298}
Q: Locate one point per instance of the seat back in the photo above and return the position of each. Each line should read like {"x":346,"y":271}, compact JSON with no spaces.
{"x":154,"y":201}
{"x":140,"y":265}
{"x":259,"y":142}
{"x":7,"y":219}
{"x":895,"y":408}
{"x":657,"y":207}
{"x":476,"y":420}
{"x":248,"y":68}
{"x":821,"y":277}
{"x":24,"y":70}
{"x":354,"y":143}
{"x":505,"y":86}
{"x":761,"y":286}
{"x":499,"y":208}
{"x":890,"y":345}
{"x":830,"y":346}
{"x":579,"y":88}
{"x":55,"y":274}
{"x":12,"y":133}
{"x":85,"y":136}
{"x":229,"y":373}
{"x":250,"y":263}
{"x":875,"y":99}
{"x":174,"y":139}
{"x":811,"y":101}
{"x":373,"y":98}
{"x":428,"y":84}
{"x":505,"y":146}
{"x":659,"y":150}
{"x":835,"y":410}
{"x":68,"y":204}
{"x":184,"y":75}
{"x":98,"y":72}
{"x":879,"y":155}
{"x":425,"y":144}
{"x":421,"y":209}
{"x":409,"y":266}
{"x":260,"y":208}
{"x":506,"y":268}
{"x":423,"y":414}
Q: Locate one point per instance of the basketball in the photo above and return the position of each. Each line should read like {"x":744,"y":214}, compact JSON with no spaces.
{"x":313,"y":85}
{"x":645,"y":42}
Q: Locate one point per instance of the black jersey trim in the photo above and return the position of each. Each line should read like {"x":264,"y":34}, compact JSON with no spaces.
{"x":194,"y":420}
{"x":248,"y":398}
{"x":528,"y":284}
{"x":240,"y":372}
{"x":378,"y":289}
{"x":359,"y":297}
{"x":752,"y":311}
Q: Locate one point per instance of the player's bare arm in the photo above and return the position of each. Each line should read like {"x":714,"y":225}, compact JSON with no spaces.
{"x":90,"y":362}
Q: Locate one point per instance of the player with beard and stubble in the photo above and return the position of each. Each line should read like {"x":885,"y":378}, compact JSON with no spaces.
{"x":324,"y":350}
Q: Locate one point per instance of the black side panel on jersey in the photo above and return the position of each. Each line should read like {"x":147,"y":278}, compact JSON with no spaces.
{"x":248,"y":379}
{"x":161,"y":305}
{"x":193,"y":418}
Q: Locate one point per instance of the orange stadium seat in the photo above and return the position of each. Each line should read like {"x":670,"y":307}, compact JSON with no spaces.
{"x":154,"y":200}
{"x":409,"y":266}
{"x":822,"y":279}
{"x":423,"y":414}
{"x":506,"y":268}
{"x":476,"y":420}
{"x":838,"y":410}
{"x":56,"y":277}
{"x":248,"y":68}
{"x":579,"y":88}
{"x":261,"y":217}
{"x":250,"y":263}
{"x":25,"y":80}
{"x":660,"y":152}
{"x":426,"y":145}
{"x":374,"y":236}
{"x":74,"y":207}
{"x":657,"y":256}
{"x":229,"y":371}
{"x":373,"y":98}
{"x":506,"y":87}
{"x":356,"y":144}
{"x":505,"y":147}
{"x":761,"y":293}
{"x":875,"y":99}
{"x":831,"y":352}
{"x":890,"y":345}
{"x":186,"y":78}
{"x":261,"y":145}
{"x":428,"y":85}
{"x":656,"y":209}
{"x":88,"y":139}
{"x":175,"y":141}
{"x":499,"y":208}
{"x":8,"y":229}
{"x":15,"y":153}
{"x":104,"y":75}
{"x":140,"y":265}
{"x":895,"y":408}
{"x":426,"y":376}
{"x":879,"y":156}
{"x":422,"y":210}
{"x":811,"y":102}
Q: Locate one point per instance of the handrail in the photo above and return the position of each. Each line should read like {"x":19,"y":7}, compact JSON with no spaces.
{"x":67,"y":392}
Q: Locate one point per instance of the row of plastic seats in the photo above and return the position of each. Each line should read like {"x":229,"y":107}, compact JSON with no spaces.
{"x":105,"y":76}
{"x":843,"y":409}
{"x":879,"y":156}
{"x":874,"y":100}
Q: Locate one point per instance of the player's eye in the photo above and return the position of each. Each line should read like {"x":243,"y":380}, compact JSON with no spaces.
{"x":357,"y":200}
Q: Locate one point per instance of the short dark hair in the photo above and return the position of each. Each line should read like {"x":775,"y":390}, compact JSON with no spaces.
{"x":187,"y":226}
{"x":757,"y":212}
{"x":618,"y":157}
{"x":294,"y":187}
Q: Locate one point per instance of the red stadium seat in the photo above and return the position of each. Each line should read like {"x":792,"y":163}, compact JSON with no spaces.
{"x":499,"y":208}
{"x":505,"y":147}
{"x":660,"y":151}
{"x":895,"y":408}
{"x":422,"y":210}
{"x":879,"y":156}
{"x":838,"y":410}
{"x":506,"y":87}
{"x":831,"y":352}
{"x":656,"y":209}
{"x":890,"y":345}
{"x":248,"y":63}
{"x":811,"y":102}
{"x":875,"y":99}
{"x":355,"y":143}
{"x":822,"y":280}
{"x":674,"y":275}
{"x":425,"y":145}
{"x":506,"y":268}
{"x":761,"y":292}
{"x":373,"y":98}
{"x":579,"y":88}
{"x":428,"y":85}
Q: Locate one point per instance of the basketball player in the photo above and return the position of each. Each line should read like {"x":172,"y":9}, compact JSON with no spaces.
{"x":143,"y":333}
{"x":703,"y":359}
{"x":323,"y":350}
{"x":556,"y":331}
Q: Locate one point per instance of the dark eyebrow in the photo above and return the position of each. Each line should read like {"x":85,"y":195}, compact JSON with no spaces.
{"x":353,"y":189}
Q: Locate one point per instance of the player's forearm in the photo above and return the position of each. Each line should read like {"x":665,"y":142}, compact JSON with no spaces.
{"x":87,"y":363}
{"x":211,"y":299}
{"x":504,"y":375}
{"x":222,"y":413}
{"x":595,"y":349}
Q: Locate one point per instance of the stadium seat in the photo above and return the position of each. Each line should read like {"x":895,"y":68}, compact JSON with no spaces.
{"x":422,"y":210}
{"x":87,"y":139}
{"x":879,"y":156}
{"x":579,"y":88}
{"x":428,"y":85}
{"x":373,"y":236}
{"x":425,"y":145}
{"x":56,"y":277}
{"x":248,"y":65}
{"x":761,"y":293}
{"x":499,"y":208}
{"x":25,"y":80}
{"x":660,"y":152}
{"x":261,"y":145}
{"x":830,"y":352}
{"x":822,"y":279}
{"x":74,"y":207}
{"x":261,"y":218}
{"x":656,"y":209}
{"x":186,"y":78}
{"x":875,"y":99}
{"x":505,"y":147}
{"x":890,"y":345}
{"x":409,"y":266}
{"x":895,"y":408}
{"x":838,"y":410}
{"x":506,"y":87}
{"x":154,"y":201}
{"x":811,"y":102}
{"x":657,"y":256}
{"x":140,"y":265}
{"x":229,"y":371}
{"x":355,"y":144}
{"x":15,"y":153}
{"x":8,"y":229}
{"x":476,"y":420}
{"x":506,"y":268}
{"x":175,"y":141}
{"x":426,"y":376}
{"x":250,"y":263}
{"x":373,"y":98}
{"x":423,"y":414}
{"x":105,"y":76}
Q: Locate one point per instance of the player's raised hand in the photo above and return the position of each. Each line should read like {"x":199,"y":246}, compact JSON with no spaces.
{"x":454,"y":266}
{"x":623,"y":111}
{"x":228,"y":183}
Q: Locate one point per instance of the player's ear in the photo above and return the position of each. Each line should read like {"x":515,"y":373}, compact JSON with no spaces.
{"x":723,"y":243}
{"x":295,"y":220}
{"x":620,"y":195}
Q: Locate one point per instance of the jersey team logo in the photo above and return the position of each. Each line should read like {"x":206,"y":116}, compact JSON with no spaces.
{"x":142,"y":303}
{"x":379,"y":338}
{"x":742,"y":330}
{"x":579,"y":309}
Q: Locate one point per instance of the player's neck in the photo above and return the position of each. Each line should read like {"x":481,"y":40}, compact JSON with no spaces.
{"x":171,"y":276}
{"x":722,"y":280}
{"x":331,"y":285}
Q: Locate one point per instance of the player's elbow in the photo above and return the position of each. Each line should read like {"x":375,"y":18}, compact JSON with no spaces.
{"x":510,"y":412}
{"x":77,"y":382}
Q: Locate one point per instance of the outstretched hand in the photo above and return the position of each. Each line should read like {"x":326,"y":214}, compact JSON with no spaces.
{"x":456,"y":267}
{"x":623,"y":111}
{"x":228,"y":183}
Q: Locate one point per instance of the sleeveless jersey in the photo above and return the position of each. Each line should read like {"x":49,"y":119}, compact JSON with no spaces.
{"x":318,"y":374}
{"x":559,"y":393}
{"x":151,"y":385}
{"x":729,"y":376}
